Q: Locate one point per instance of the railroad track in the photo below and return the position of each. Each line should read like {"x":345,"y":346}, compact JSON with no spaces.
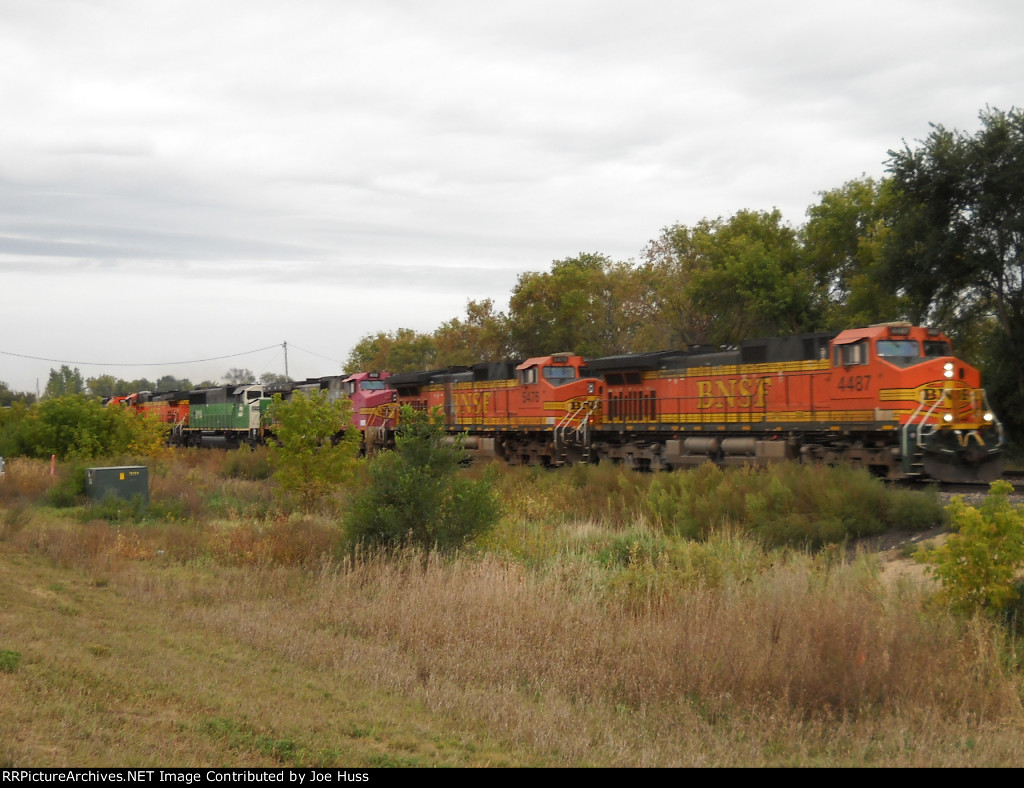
{"x":1016,"y":478}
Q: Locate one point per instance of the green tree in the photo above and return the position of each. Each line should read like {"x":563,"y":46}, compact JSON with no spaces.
{"x":106,"y":386}
{"x":723,"y":281}
{"x":64,"y":381}
{"x":481,"y":336}
{"x":586,"y":304}
{"x":843,"y":243}
{"x":8,"y":397}
{"x":956,"y":247}
{"x":670,"y":266}
{"x":417,"y":495}
{"x":171,"y":383}
{"x":237,"y":377}
{"x":311,"y":456}
{"x":980,"y":564}
{"x":139,"y":384}
{"x":404,"y":350}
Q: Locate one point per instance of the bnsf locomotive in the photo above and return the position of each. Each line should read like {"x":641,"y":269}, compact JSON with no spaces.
{"x":890,"y":397}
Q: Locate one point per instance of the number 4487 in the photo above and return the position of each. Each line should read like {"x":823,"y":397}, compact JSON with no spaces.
{"x":854,"y":383}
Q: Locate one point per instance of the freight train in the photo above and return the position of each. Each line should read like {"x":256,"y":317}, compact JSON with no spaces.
{"x":240,"y":415}
{"x":889,"y":397}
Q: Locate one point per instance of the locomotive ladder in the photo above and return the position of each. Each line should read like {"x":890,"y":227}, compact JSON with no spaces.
{"x":178,"y":427}
{"x":566,"y":435}
{"x":914,"y":435}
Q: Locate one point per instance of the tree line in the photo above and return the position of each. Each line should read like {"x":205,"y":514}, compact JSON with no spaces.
{"x":68,"y":382}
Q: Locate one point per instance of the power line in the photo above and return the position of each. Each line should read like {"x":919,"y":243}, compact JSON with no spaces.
{"x":327,"y":358}
{"x":147,"y":364}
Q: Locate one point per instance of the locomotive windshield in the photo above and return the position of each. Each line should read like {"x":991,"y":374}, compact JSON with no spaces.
{"x":905,"y":352}
{"x":372,"y":385}
{"x":902,"y":352}
{"x":559,"y":376}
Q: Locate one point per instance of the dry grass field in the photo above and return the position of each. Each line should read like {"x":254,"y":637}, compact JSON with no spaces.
{"x":227,"y":632}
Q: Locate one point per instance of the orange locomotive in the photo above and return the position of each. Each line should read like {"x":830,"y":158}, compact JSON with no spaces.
{"x":888,"y":397}
{"x":539,"y":412}
{"x":170,"y":408}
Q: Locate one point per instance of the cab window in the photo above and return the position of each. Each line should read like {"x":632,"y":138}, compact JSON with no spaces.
{"x":559,"y":376}
{"x":896,"y":348}
{"x":528,"y":376}
{"x":372,"y":385}
{"x":935,"y":348}
{"x":851,"y":354}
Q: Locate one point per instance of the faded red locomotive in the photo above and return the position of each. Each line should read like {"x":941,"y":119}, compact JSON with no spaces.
{"x":889,"y":397}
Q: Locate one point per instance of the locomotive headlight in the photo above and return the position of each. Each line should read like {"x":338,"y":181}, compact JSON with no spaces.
{"x":590,"y":387}
{"x":947,"y":418}
{"x":988,"y":417}
{"x":948,"y":369}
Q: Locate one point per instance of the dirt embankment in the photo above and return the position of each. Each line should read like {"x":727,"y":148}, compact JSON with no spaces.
{"x":895,"y":548}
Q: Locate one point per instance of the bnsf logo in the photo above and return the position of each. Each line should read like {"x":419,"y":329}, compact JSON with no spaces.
{"x":734,"y":393}
{"x":473,"y":403}
{"x":954,"y":392}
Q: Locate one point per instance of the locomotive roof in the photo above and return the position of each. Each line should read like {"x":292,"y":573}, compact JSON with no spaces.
{"x":422,"y":378}
{"x":799,"y":347}
{"x":554,"y":358}
{"x":890,"y":329}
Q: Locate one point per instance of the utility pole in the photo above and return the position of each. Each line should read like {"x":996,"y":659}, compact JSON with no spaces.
{"x":285,"y":346}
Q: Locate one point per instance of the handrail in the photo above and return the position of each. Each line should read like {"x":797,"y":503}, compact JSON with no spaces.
{"x":927,"y":415}
{"x":995,"y":419}
{"x":582,"y":433}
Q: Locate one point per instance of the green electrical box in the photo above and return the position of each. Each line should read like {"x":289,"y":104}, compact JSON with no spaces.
{"x":125,"y":482}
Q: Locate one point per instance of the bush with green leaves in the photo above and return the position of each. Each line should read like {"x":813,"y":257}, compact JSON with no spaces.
{"x":979,"y":566}
{"x":78,"y":427}
{"x":418,"y":495}
{"x":71,"y":487}
{"x":787,"y":504}
{"x":313,"y":453}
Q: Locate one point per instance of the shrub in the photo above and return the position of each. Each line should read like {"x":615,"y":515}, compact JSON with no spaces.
{"x":78,"y":427}
{"x":417,"y":494}
{"x":309,"y":460}
{"x":980,"y":563}
{"x":253,"y":465}
{"x":787,"y":504}
{"x":70,"y":490}
{"x":114,"y":509}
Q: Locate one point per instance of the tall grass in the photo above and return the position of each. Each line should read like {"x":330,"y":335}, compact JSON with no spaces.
{"x":612,"y":619}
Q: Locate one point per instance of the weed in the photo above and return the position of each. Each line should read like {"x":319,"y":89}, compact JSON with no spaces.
{"x":9,"y":660}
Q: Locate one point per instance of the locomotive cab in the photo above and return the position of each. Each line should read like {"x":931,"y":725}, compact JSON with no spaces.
{"x":369,"y":394}
{"x":911,"y":381}
{"x":559,"y":406}
{"x":555,"y":370}
{"x":537,"y":377}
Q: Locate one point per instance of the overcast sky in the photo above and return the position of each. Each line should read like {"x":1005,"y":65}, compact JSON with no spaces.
{"x":197,"y":180}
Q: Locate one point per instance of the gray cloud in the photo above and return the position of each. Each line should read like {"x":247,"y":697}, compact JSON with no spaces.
{"x":339,"y":169}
